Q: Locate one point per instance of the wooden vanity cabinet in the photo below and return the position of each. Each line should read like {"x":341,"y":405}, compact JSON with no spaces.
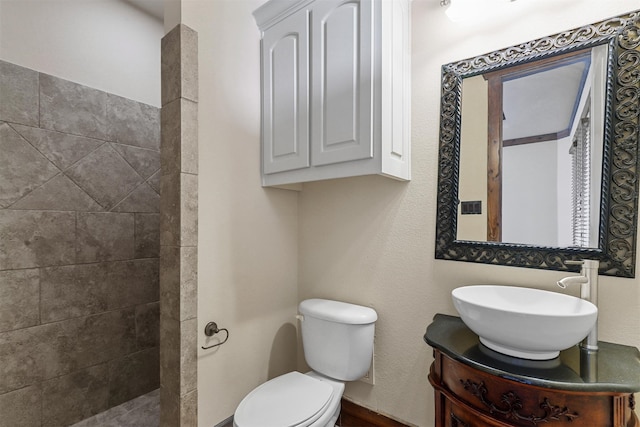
{"x":467,"y":397}
{"x":477,"y":387}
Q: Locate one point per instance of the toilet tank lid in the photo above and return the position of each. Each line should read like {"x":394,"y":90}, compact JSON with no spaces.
{"x":336,"y":311}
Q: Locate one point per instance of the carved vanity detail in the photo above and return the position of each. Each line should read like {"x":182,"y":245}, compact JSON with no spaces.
{"x":475,"y":386}
{"x":512,"y":404}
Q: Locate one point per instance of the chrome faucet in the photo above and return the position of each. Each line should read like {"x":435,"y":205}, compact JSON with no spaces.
{"x":588,"y":281}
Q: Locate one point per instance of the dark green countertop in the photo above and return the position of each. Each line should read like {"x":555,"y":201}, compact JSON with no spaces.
{"x":613,"y":368}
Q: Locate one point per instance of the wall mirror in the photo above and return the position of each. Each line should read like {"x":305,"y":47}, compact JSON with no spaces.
{"x":538,"y":159}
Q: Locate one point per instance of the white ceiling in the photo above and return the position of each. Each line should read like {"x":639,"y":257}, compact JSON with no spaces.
{"x":550,"y":97}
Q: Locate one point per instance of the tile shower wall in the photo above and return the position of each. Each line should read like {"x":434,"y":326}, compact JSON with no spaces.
{"x":79,"y":249}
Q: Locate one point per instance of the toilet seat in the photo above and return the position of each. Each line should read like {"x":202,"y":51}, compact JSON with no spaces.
{"x":290,"y":400}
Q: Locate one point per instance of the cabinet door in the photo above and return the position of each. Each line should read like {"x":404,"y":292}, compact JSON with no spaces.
{"x":285,"y":89}
{"x":342,"y":58}
{"x":459,"y":416}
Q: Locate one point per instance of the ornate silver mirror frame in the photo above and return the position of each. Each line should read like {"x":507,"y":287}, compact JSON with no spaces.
{"x":619,"y":194}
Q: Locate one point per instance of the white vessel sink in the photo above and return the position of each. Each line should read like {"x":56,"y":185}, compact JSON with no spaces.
{"x":524,"y":322}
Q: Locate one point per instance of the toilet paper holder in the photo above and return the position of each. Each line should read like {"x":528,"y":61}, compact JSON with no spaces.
{"x":210,"y":330}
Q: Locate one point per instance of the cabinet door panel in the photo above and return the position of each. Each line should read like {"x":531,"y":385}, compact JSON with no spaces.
{"x":285,"y":80}
{"x":456,"y":416}
{"x":342,"y":58}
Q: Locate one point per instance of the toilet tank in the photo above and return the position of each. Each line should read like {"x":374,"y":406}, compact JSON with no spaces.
{"x":337,"y":337}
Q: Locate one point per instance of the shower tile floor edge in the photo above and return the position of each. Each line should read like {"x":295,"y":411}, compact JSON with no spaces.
{"x":143,"y":411}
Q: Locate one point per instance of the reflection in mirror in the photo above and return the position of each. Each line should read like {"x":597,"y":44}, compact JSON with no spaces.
{"x":531,"y":151}
{"x":538,"y":157}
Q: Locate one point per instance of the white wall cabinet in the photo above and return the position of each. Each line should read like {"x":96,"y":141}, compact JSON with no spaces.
{"x":335,"y":89}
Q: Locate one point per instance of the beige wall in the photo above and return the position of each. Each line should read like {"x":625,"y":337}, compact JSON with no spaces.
{"x":247,"y":240}
{"x":367,"y":240}
{"x":371,"y":240}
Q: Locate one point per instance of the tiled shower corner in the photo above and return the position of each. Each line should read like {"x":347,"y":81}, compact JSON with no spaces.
{"x":79,"y":252}
{"x":143,"y":411}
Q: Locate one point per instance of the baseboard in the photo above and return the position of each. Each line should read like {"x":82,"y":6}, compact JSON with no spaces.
{"x":226,"y":423}
{"x":353,"y":415}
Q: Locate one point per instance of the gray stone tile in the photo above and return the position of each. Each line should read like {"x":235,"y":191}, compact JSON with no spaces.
{"x":169,"y":406}
{"x":179,"y":349}
{"x":18,"y":94}
{"x":189,"y":62}
{"x":142,"y":199}
{"x":145,"y":162}
{"x":128,"y":406}
{"x":147,"y":235}
{"x":188,"y":282}
{"x":104,"y":236}
{"x":189,"y":142}
{"x":140,"y":401}
{"x":180,"y":137}
{"x":34,"y":354}
{"x":103,"y":419}
{"x":133,"y":375}
{"x":154,"y":181}
{"x":87,"y":341}
{"x":21,"y":408}
{"x":133,"y":282}
{"x":23,"y":362}
{"x":170,"y":281}
{"x":152,"y":396}
{"x":171,"y":137}
{"x":105,"y":336}
{"x":189,"y":409}
{"x":74,"y":397}
{"x":72,"y":291}
{"x":144,"y":416}
{"x":188,"y":356}
{"x":58,"y":194}
{"x":72,"y":108}
{"x":61,"y":148}
{"x":19,"y":299}
{"x":179,"y":210}
{"x":171,"y":81}
{"x":170,"y":209}
{"x":22,"y":167}
{"x":133,"y":123}
{"x":179,"y":64}
{"x":178,"y":410}
{"x":147,"y":415}
{"x":36,"y":239}
{"x":148,"y":325}
{"x":105,"y":176}
{"x":179,"y":282}
{"x":169,"y":355}
{"x":143,"y":411}
{"x":189,"y":210}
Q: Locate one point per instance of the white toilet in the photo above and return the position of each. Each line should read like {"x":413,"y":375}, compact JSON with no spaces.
{"x":338,"y":345}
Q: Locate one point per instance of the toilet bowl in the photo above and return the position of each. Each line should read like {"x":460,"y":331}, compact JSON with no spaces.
{"x":337,"y":339}
{"x":292,"y":400}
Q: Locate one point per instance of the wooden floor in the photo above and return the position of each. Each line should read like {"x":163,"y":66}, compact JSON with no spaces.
{"x":353,"y":415}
